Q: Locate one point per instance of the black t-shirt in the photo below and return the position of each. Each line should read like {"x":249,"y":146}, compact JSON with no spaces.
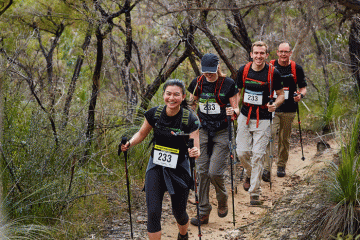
{"x":163,"y":125}
{"x":228,"y":90}
{"x":262,"y":76}
{"x":173,"y":121}
{"x":289,"y":104}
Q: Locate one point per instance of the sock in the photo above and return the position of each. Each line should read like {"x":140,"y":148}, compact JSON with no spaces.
{"x":183,"y":235}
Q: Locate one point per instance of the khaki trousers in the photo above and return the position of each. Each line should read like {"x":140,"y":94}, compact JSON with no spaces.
{"x":251,"y":145}
{"x":212,"y":169}
{"x":282,"y":123}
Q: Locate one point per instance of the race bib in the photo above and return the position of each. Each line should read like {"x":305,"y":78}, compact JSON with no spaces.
{"x":209,"y":108}
{"x":286,"y":92}
{"x":165,"y":156}
{"x":252,"y":97}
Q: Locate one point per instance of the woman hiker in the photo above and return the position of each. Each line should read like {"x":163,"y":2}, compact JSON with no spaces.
{"x":169,"y":168}
{"x":213,"y":91}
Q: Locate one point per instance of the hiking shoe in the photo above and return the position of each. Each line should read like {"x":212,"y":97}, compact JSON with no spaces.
{"x":204,"y":219}
{"x":246,"y":184}
{"x":222,"y":210}
{"x":183,"y":237}
{"x":266,"y":176}
{"x":281,"y":172}
{"x":255,"y":201}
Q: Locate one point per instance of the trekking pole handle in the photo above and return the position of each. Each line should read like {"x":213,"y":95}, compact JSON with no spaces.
{"x":228,"y":116}
{"x":191,"y":143}
{"x":123,"y":142}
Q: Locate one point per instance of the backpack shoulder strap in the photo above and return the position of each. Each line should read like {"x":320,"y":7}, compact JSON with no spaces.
{"x":199,"y":85}
{"x":246,"y":72}
{"x":185,"y":117}
{"x":158,"y":112}
{"x":156,"y":117}
{"x":218,"y":87}
{"x":293,"y":70}
{"x":272,"y":62}
{"x":271,"y":80}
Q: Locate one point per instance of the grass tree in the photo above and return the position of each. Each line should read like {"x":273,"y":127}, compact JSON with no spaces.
{"x":341,"y":213}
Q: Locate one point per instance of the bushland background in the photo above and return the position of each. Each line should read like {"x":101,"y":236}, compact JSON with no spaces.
{"x":77,"y":75}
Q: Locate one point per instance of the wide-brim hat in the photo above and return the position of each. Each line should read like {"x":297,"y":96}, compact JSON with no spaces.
{"x":209,"y":63}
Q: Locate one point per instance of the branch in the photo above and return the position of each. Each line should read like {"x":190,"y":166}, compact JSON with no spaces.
{"x":217,"y":46}
{"x":152,"y":88}
{"x":352,"y":4}
{"x":16,"y":181}
{"x":29,"y":80}
{"x":6,"y":7}
{"x":208,"y":9}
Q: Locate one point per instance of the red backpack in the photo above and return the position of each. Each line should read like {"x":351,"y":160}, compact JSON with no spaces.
{"x":270,"y":83}
{"x":293,"y":68}
{"x":219,"y":83}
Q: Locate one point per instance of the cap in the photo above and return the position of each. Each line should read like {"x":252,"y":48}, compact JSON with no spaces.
{"x":209,"y":63}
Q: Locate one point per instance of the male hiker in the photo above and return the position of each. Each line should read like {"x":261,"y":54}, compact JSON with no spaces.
{"x":293,"y":78}
{"x":258,"y":81}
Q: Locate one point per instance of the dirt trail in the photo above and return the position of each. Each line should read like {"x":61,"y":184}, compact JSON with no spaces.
{"x":244,"y":213}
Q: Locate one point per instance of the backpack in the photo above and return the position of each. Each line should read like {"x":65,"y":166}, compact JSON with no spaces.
{"x":184,"y":118}
{"x":293,"y":68}
{"x":270,"y":83}
{"x":219,"y":83}
{"x":270,"y":75}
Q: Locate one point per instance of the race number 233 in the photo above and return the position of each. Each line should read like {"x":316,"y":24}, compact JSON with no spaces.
{"x":165,"y":156}
{"x":210,"y":108}
{"x":253,"y":97}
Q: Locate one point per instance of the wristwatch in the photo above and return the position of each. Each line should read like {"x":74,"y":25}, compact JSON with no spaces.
{"x":302,"y":95}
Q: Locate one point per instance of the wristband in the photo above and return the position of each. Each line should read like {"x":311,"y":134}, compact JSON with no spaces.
{"x":302,"y":95}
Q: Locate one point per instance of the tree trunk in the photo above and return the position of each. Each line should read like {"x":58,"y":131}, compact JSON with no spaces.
{"x":75,"y":76}
{"x":131,"y":96}
{"x":239,"y":31}
{"x":354,"y":49}
{"x":152,"y":88}
{"x":94,"y":93}
{"x":6,"y":7}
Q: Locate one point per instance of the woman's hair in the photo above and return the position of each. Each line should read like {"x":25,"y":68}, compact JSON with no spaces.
{"x":175,"y":82}
{"x":181,"y":85}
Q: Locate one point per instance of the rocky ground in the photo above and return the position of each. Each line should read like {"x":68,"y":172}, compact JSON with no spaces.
{"x":282,"y":215}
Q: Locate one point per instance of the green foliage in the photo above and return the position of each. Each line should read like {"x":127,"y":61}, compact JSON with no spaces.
{"x":342,"y":189}
{"x":340,"y":236}
{"x":20,"y":228}
{"x":345,"y":188}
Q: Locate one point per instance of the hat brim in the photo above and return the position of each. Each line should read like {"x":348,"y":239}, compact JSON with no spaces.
{"x":209,"y":69}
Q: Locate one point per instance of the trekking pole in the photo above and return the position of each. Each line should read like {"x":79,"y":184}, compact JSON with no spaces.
{"x":231,"y":163}
{"x":271,"y":136}
{"x":271,"y":145}
{"x":123,"y":142}
{"x":192,"y":163}
{"x":301,"y":143}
